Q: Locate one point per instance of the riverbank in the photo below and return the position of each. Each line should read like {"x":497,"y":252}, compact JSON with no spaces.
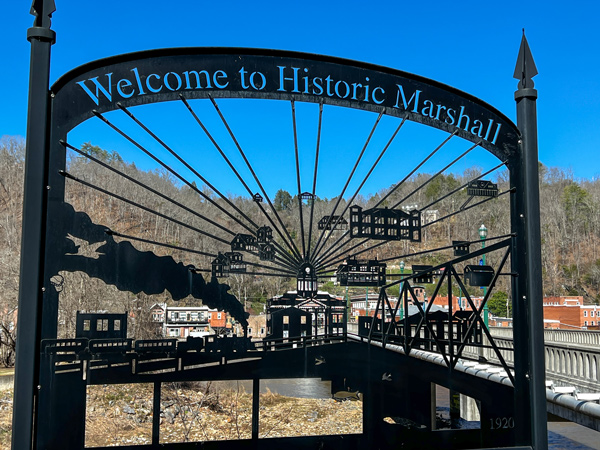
{"x":122,"y":415}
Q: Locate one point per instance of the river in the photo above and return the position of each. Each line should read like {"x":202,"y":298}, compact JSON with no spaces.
{"x":290,"y":387}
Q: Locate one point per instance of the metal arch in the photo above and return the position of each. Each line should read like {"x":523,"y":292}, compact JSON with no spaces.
{"x":130,"y":80}
{"x":68,"y":110}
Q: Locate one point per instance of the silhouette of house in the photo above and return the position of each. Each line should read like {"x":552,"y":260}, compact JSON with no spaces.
{"x":356,"y":272}
{"x":244,"y":243}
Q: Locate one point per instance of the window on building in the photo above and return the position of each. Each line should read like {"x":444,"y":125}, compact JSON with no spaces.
{"x":194,"y":316}
{"x":585,"y":323}
{"x":591,"y":313}
{"x":249,"y":331}
{"x":286,"y":319}
{"x":303,"y":320}
{"x":262,"y":330}
{"x":102,"y":325}
{"x":286,"y":333}
{"x":585,"y":314}
{"x":218,"y":315}
{"x":173,"y":332}
{"x":86,"y":325}
{"x":117,"y":325}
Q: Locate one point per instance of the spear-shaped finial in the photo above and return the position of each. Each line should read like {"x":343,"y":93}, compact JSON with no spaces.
{"x":42,"y":10}
{"x":525,"y":69}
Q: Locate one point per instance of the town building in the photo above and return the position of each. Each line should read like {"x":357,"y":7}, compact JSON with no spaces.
{"x":458,"y":303}
{"x":359,"y":272}
{"x":385,"y":223}
{"x":195,"y":321}
{"x":257,"y":326}
{"x":562,"y":313}
{"x":290,"y":322}
{"x":569,"y":312}
{"x":244,"y":243}
{"x":360,"y":307}
{"x":292,"y":315}
{"x":363,"y":308}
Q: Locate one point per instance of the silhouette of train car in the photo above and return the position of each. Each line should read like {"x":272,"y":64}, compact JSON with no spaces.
{"x":101,"y":333}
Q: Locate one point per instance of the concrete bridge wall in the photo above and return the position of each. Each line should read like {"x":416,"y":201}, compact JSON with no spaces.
{"x":572,"y":357}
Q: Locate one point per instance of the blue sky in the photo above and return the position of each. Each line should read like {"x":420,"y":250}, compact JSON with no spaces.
{"x":472,"y":46}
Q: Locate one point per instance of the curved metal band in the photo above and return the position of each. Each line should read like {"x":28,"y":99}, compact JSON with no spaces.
{"x":163,"y":75}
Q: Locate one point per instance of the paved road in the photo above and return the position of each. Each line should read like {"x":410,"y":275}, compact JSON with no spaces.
{"x":570,"y":436}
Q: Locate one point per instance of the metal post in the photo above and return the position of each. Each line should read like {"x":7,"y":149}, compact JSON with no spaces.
{"x":400,"y":292}
{"x":255,"y":408}
{"x":41,"y":38}
{"x":156,"y":413}
{"x":483,"y":235}
{"x":531,"y":297}
{"x":348,"y":304}
{"x":381,"y":299}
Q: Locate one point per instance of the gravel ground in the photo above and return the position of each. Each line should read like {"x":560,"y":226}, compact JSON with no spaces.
{"x":119,"y":415}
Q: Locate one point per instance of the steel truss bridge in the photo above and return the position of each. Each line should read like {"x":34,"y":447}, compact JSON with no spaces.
{"x":226,"y":129}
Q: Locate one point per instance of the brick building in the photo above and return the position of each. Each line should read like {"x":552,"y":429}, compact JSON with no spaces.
{"x":458,"y":302}
{"x":563,"y":312}
{"x":569,"y":312}
{"x":562,"y":317}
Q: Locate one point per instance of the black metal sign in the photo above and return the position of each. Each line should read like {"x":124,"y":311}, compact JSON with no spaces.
{"x":199,"y":73}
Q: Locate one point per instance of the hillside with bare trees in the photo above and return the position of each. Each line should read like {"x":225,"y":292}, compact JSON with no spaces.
{"x":570,"y":231}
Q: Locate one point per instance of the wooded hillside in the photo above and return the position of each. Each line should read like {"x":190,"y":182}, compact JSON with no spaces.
{"x":570,"y":211}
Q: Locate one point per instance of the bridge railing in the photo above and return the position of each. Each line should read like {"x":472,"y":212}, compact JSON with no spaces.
{"x":582,"y":337}
{"x":573,"y":337}
{"x":572,"y":356}
{"x":297,"y":342}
